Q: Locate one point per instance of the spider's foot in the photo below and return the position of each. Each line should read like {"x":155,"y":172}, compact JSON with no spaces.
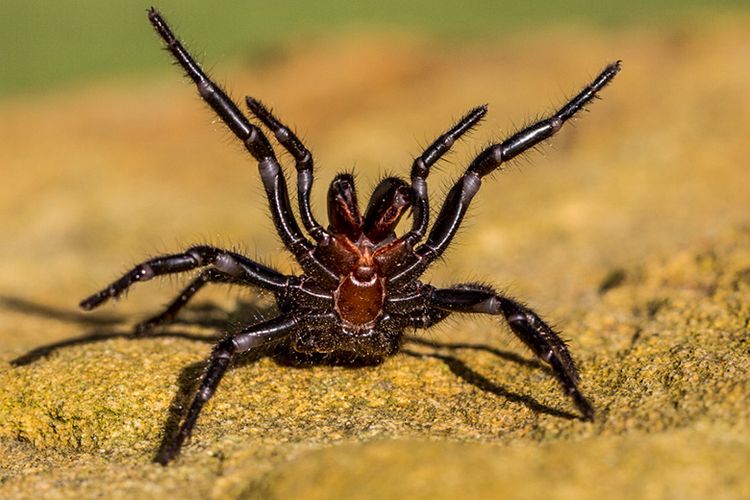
{"x":166,"y":454}
{"x":96,"y":300}
{"x":584,"y":406}
{"x":147,"y":326}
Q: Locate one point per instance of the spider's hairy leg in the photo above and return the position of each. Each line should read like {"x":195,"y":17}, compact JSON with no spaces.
{"x":255,"y":142}
{"x":230,"y":264}
{"x":303,"y":160}
{"x":491,"y":158}
{"x":413,"y":307}
{"x":459,"y":197}
{"x":258,"y":146}
{"x":421,"y":169}
{"x":253,"y":337}
{"x":211,"y":275}
{"x":528,"y":327}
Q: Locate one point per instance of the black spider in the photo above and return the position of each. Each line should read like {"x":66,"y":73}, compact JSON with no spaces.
{"x":360,"y":287}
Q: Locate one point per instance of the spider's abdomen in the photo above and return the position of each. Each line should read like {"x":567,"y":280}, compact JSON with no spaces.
{"x":359,"y":298}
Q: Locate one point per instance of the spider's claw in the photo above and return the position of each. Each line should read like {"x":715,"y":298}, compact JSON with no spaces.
{"x":583,"y":404}
{"x":148,"y":325}
{"x":94,"y":301}
{"x":166,"y":454}
{"x":86,"y":304}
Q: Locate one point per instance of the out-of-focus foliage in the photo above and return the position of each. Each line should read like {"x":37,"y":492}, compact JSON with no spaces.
{"x":43,"y":44}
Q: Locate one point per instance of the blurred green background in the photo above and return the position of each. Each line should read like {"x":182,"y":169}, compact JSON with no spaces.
{"x":46,"y":44}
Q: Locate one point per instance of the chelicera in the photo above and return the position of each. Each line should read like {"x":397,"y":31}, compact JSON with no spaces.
{"x":360,"y":289}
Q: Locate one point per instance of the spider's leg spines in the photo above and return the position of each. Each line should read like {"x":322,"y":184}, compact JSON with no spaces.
{"x":283,"y":134}
{"x":170,"y":312}
{"x":197,"y":256}
{"x":257,"y":145}
{"x":421,"y":169}
{"x":457,"y":201}
{"x":445,"y":142}
{"x":252,"y":337}
{"x":217,"y":366}
{"x":537,"y":335}
{"x":303,"y":164}
{"x":590,"y":91}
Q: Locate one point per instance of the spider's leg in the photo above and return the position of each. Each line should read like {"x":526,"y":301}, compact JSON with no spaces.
{"x":253,"y":337}
{"x":528,"y":327}
{"x":421,"y":169}
{"x":230,"y":264}
{"x":258,"y":146}
{"x":167,"y":316}
{"x":459,"y":197}
{"x":413,"y":308}
{"x":303,"y":160}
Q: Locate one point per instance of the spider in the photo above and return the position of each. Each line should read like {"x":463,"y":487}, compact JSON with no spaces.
{"x":360,"y":287}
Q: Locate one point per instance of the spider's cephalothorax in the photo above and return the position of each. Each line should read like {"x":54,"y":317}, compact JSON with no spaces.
{"x":361,"y":251}
{"x":360,"y":289}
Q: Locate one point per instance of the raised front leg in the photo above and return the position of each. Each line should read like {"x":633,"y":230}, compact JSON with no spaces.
{"x":421,"y":169}
{"x":255,"y":142}
{"x":459,"y":197}
{"x":303,"y":160}
{"x":528,"y":327}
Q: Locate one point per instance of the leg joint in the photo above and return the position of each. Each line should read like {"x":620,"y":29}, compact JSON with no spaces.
{"x":225,"y":263}
{"x":202,"y":254}
{"x":144,"y":272}
{"x":224,"y":349}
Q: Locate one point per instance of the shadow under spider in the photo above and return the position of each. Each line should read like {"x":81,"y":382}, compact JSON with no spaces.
{"x":214,"y":317}
{"x":106,"y":326}
{"x":463,"y":371}
{"x":189,"y":377}
{"x":30,"y":308}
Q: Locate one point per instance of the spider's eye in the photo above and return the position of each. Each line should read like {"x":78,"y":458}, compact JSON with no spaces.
{"x":387,"y":204}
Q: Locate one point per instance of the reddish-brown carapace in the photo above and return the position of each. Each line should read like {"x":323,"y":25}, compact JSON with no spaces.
{"x":360,"y":287}
{"x":363,"y":251}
